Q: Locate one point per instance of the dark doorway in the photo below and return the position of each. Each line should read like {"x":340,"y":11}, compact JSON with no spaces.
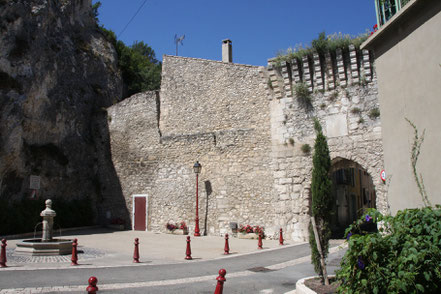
{"x":353,"y":191}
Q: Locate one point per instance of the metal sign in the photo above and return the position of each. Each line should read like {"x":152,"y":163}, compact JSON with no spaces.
{"x":34,"y":182}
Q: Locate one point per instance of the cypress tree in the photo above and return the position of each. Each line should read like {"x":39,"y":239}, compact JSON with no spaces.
{"x":321,"y":192}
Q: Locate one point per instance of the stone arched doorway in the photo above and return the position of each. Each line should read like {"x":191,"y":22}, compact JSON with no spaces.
{"x":353,"y":191}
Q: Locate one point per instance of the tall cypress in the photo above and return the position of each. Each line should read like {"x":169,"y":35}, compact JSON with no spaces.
{"x":321,"y":192}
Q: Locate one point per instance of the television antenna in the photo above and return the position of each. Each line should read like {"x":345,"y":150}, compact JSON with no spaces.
{"x":177,"y":41}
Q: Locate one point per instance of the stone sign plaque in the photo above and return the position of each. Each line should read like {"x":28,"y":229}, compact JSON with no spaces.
{"x":34,"y":183}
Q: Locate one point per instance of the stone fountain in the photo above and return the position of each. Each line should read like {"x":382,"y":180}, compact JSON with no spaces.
{"x":47,"y":245}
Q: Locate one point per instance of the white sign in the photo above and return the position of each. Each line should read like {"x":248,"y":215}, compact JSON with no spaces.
{"x":34,"y":183}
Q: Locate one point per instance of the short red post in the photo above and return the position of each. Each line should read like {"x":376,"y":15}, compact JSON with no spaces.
{"x":92,"y":288}
{"x":220,"y":282}
{"x":188,"y":252}
{"x":259,"y":244}
{"x":3,"y":254}
{"x":74,"y":258}
{"x":281,"y":237}
{"x":227,"y":246}
{"x":136,"y":251}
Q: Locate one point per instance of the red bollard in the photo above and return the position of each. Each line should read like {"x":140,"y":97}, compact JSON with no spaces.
{"x":281,"y":237}
{"x":227,"y":246}
{"x":92,"y":288}
{"x":188,"y":252}
{"x":259,"y":244}
{"x":3,"y":254}
{"x":136,"y":251}
{"x":220,"y":282}
{"x":74,"y":258}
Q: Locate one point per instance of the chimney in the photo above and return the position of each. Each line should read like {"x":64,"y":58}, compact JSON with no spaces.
{"x":227,"y":51}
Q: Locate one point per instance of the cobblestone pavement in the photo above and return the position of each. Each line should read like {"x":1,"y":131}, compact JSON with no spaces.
{"x":83,"y":254}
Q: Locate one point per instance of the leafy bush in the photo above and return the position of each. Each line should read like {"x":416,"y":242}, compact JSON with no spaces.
{"x":403,"y":256}
{"x":302,"y":92}
{"x":306,"y":148}
{"x":374,"y":113}
{"x":323,"y":44}
{"x":355,"y":110}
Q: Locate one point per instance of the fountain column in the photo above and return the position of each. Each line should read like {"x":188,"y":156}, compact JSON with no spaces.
{"x":48,"y":221}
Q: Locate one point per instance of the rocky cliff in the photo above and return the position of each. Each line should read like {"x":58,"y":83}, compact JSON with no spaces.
{"x":57,"y":75}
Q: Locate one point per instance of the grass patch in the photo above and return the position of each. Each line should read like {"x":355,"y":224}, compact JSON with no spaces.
{"x":374,"y":113}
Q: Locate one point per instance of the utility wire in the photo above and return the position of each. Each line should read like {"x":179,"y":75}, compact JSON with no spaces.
{"x":139,"y":9}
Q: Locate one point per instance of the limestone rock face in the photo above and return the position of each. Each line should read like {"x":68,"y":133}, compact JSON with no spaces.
{"x":57,"y":75}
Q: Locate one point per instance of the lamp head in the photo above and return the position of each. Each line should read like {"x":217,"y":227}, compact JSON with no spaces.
{"x":197,"y":167}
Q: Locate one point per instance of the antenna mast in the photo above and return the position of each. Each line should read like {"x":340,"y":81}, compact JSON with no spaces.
{"x":177,"y":41}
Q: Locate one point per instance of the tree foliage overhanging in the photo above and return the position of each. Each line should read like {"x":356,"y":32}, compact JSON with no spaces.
{"x":321,"y":189}
{"x":141,"y":71}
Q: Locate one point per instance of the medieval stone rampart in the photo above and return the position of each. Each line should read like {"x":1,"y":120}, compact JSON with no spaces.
{"x":343,"y":96}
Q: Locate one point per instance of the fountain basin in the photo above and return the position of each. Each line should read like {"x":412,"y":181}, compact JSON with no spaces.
{"x":37,"y":247}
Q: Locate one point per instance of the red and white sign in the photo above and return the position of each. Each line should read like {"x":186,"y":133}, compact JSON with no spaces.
{"x":383,"y":175}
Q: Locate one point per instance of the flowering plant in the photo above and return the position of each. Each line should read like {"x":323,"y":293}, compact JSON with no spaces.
{"x":171,"y":227}
{"x":181,"y":226}
{"x":401,"y":256}
{"x":249,"y":229}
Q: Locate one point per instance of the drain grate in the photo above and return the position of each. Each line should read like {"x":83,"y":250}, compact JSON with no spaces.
{"x":260,"y":269}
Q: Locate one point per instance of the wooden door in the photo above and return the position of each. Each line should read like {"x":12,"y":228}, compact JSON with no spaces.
{"x":140,"y":214}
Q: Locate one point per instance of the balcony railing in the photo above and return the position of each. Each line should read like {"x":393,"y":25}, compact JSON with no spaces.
{"x":387,"y":8}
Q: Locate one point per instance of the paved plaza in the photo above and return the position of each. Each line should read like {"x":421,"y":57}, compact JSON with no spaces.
{"x":108,"y":255}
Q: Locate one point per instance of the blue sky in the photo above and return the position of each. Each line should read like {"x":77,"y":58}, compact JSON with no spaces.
{"x":258,"y":28}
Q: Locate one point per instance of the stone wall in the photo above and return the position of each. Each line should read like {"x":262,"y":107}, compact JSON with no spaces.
{"x":343,"y":96}
{"x":213,"y":112}
{"x":246,"y":127}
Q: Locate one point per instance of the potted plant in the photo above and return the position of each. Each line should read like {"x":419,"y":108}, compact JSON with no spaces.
{"x":250,"y":232}
{"x":177,"y":229}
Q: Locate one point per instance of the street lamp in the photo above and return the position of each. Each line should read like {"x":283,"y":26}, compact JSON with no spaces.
{"x":197,"y":170}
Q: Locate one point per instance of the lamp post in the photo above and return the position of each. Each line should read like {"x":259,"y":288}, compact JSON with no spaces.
{"x":197,"y":170}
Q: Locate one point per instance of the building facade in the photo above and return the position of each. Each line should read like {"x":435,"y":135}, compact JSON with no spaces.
{"x":407,"y":50}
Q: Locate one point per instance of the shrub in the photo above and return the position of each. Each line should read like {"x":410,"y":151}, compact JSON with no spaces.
{"x":323,"y":44}
{"x":402,"y":257}
{"x":333,"y":95}
{"x":374,"y":113}
{"x":306,"y":148}
{"x":302,"y":92}
{"x":355,"y":110}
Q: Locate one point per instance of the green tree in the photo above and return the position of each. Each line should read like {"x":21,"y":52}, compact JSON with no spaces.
{"x":140,"y":69}
{"x":321,"y":191}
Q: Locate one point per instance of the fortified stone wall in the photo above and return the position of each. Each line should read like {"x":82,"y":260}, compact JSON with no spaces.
{"x":343,"y":97}
{"x":246,"y":126}
{"x":213,"y":112}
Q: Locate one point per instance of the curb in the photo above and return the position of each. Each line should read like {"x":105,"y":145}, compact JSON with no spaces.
{"x":302,"y":289}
